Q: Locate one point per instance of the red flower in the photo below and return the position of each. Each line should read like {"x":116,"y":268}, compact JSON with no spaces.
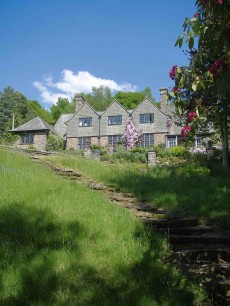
{"x":186,"y":131}
{"x":220,"y":2}
{"x":172,"y":72}
{"x":191,"y":116}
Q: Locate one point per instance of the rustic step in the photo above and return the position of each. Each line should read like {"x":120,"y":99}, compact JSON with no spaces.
{"x":193,"y":230}
{"x":180,"y":239}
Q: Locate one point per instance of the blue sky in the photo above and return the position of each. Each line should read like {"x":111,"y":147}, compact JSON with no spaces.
{"x":52,"y":48}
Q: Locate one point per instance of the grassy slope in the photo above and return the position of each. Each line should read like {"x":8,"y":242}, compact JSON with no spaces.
{"x":63,"y":244}
{"x":202,"y":196}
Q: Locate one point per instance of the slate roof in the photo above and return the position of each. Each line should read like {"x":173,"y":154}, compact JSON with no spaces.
{"x":36,"y":124}
{"x":60,"y":126}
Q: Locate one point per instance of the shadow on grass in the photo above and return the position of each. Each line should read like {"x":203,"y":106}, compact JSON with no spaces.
{"x":33,"y":271}
{"x":203,"y":196}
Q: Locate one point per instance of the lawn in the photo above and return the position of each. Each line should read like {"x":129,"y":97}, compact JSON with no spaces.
{"x":186,"y":190}
{"x":63,"y":244}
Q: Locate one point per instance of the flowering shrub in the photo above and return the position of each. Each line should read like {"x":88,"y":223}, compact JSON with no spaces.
{"x":172,"y":72}
{"x":186,"y":130}
{"x":54,"y":142}
{"x":132,"y":135}
{"x":191,"y":116}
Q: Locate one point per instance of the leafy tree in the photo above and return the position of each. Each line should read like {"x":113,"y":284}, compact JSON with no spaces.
{"x":35,"y":109}
{"x":63,"y":106}
{"x":202,"y":92}
{"x":100,"y":98}
{"x":130,"y":100}
{"x":12,"y":103}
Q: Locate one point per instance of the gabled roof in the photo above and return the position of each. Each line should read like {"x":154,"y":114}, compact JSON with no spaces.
{"x":115,"y":101}
{"x":147,"y":98}
{"x":36,"y":124}
{"x":60,"y":126}
{"x":85,"y":104}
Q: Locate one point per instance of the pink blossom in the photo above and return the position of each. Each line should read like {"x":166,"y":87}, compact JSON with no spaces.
{"x":132,"y":135}
{"x":191,"y":116}
{"x":185,"y":131}
{"x":217,"y":66}
{"x":172,"y":72}
{"x":176,"y":90}
{"x":196,"y":15}
{"x":220,"y":2}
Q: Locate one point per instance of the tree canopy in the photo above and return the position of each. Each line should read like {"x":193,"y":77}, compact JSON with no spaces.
{"x":202,"y":88}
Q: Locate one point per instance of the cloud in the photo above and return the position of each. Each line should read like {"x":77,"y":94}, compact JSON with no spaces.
{"x":71,"y":84}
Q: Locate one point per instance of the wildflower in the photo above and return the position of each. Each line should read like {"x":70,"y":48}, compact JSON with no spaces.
{"x":186,"y":131}
{"x":191,"y":116}
{"x":172,"y":72}
{"x":196,"y":15}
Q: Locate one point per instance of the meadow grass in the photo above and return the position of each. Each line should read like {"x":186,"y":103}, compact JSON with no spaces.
{"x":63,"y":244}
{"x":174,"y":188}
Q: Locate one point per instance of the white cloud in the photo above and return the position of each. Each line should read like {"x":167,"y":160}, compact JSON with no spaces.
{"x":71,"y":83}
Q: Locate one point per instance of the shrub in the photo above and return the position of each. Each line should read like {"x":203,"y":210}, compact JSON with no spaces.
{"x":179,"y":152}
{"x":191,"y":170}
{"x":54,"y":143}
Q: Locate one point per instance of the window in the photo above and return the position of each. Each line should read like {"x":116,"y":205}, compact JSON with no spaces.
{"x":147,"y":140}
{"x":171,"y":142}
{"x":147,"y":118}
{"x":84,"y":142}
{"x":27,"y":139}
{"x":115,"y":120}
{"x":85,"y":121}
{"x":198,"y":142}
{"x":114,"y":139}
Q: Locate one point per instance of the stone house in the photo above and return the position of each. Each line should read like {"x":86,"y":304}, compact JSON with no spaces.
{"x":33,"y":133}
{"x":87,"y":126}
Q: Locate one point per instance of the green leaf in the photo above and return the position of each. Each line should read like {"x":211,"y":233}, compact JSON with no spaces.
{"x":179,"y":42}
{"x":194,"y":86}
{"x":191,"y":42}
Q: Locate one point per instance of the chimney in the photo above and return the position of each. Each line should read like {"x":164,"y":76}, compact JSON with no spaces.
{"x":79,"y":103}
{"x":164,"y":98}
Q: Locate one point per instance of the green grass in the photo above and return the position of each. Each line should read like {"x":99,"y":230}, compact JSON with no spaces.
{"x":63,"y":244}
{"x":185,"y":190}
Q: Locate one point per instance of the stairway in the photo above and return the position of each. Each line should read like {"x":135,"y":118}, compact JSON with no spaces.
{"x":200,"y":250}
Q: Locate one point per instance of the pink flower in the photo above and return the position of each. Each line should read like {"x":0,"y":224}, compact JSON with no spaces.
{"x":191,"y":116}
{"x":217,"y":67}
{"x":196,"y":15}
{"x":203,"y":1}
{"x":186,"y":131}
{"x":176,"y":90}
{"x":172,"y":72}
{"x":220,"y":2}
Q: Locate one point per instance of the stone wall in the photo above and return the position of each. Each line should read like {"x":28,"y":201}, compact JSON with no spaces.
{"x":71,"y":143}
{"x":159,"y":138}
{"x":40,"y":140}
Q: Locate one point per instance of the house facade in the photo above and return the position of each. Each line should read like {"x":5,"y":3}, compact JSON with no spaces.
{"x":87,"y":127}
{"x":33,"y":133}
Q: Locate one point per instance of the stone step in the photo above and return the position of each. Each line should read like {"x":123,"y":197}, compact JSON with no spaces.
{"x":184,"y":231}
{"x":211,"y":239}
{"x":212,"y":254}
